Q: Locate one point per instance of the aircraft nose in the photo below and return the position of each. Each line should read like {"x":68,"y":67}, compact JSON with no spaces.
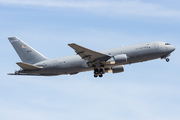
{"x":172,"y":48}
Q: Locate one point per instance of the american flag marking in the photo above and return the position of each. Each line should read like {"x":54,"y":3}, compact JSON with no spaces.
{"x":24,"y":46}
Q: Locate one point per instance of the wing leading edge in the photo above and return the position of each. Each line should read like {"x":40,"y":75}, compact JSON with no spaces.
{"x":89,"y":55}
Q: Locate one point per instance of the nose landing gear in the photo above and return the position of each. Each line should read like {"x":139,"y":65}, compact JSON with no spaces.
{"x":167,"y":59}
{"x":98,"y":72}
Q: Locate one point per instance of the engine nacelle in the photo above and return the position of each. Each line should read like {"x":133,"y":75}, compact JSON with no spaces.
{"x":116,"y":69}
{"x":118,"y":59}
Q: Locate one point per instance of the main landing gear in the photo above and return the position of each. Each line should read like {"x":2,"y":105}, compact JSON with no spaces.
{"x":98,"y":72}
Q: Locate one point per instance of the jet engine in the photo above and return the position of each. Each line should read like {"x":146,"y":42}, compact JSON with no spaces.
{"x":118,"y":59}
{"x":116,"y":69}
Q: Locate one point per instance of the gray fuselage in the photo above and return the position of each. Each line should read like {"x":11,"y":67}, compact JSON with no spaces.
{"x":75,"y":64}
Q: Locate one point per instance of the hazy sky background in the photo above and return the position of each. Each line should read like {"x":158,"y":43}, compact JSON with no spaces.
{"x":145,"y":91}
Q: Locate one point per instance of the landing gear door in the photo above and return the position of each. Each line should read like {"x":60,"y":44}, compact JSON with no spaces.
{"x":156,"y":46}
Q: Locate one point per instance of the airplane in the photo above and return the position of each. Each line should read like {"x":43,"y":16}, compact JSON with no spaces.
{"x":101,"y":62}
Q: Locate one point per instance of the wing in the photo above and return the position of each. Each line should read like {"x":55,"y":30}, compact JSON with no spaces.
{"x":91,"y":56}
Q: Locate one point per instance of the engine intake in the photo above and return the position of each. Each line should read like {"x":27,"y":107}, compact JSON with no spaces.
{"x":118,"y":59}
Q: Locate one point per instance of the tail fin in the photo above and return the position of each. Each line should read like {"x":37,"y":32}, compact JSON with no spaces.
{"x":25,"y":52}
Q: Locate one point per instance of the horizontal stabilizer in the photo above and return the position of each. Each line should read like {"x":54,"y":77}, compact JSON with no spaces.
{"x":26,"y":66}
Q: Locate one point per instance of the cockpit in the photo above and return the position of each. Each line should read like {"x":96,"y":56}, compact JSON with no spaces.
{"x":167,"y":44}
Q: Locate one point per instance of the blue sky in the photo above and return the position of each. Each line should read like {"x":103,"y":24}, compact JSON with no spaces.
{"x":145,"y":91}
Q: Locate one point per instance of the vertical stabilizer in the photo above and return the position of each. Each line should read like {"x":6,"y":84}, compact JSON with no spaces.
{"x":25,"y":52}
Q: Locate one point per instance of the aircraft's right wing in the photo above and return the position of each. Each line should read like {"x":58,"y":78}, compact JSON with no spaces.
{"x":89,"y":55}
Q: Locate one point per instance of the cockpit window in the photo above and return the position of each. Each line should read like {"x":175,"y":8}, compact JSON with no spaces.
{"x":167,"y":44}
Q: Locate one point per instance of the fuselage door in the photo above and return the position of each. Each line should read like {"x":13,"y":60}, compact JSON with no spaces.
{"x":156,"y":46}
{"x":55,"y":63}
{"x":167,"y":48}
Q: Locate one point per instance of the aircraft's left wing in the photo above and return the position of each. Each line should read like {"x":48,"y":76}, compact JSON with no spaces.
{"x":89,"y":55}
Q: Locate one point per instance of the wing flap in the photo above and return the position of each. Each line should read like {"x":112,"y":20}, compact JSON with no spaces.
{"x":26,"y":66}
{"x":88,"y":54}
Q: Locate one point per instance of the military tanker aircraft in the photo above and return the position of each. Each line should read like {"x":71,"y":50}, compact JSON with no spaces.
{"x":100,"y":62}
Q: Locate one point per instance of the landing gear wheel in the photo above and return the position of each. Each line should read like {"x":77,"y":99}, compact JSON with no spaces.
{"x":95,"y":76}
{"x":96,"y":71}
{"x":100,"y":75}
{"x":167,"y":59}
{"x":101,"y":71}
